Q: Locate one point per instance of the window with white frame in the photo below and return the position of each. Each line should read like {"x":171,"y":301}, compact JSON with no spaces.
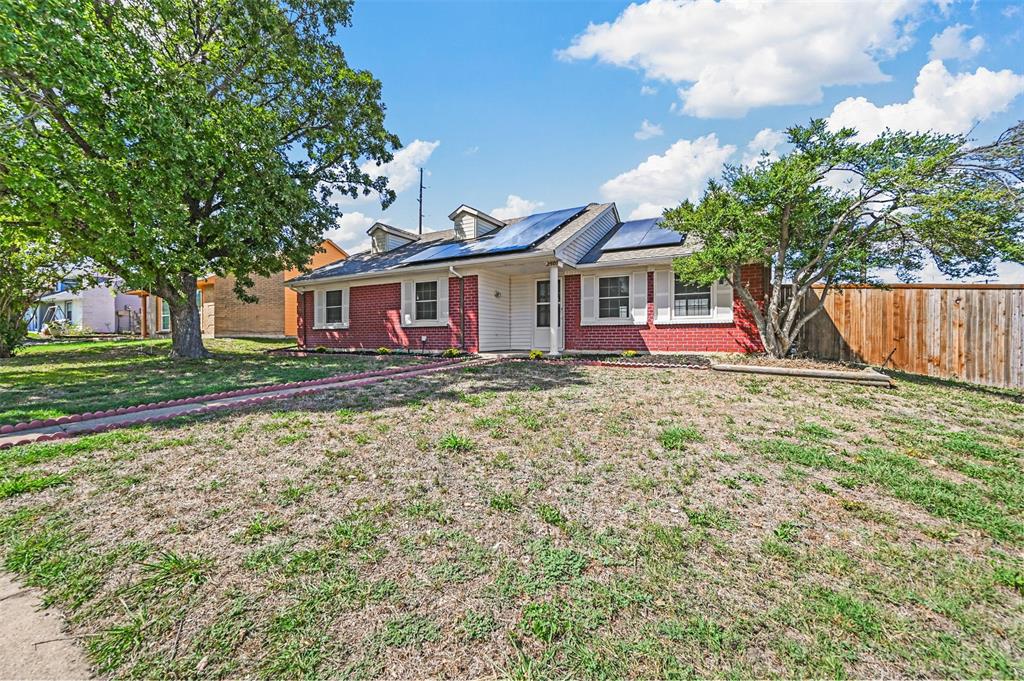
{"x":613,"y":297}
{"x":165,"y":315}
{"x":691,"y":300}
{"x":426,"y":300}
{"x":333,"y":303}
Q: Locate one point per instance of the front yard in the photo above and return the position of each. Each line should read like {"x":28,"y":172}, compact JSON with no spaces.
{"x":50,"y":380}
{"x":534,"y":520}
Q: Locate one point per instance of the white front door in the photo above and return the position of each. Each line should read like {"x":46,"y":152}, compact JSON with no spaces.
{"x":542,"y":315}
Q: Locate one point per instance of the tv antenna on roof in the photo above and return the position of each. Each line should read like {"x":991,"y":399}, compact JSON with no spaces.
{"x":421,"y":201}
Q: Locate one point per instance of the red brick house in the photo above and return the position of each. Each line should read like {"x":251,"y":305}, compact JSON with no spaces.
{"x":578,"y":279}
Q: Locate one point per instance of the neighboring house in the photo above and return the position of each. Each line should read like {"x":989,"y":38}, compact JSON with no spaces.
{"x":223,"y":315}
{"x":578,"y":279}
{"x":101,"y":308}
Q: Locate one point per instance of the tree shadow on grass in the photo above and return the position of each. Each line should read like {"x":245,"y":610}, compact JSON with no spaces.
{"x":505,"y":377}
{"x":1010,"y":394}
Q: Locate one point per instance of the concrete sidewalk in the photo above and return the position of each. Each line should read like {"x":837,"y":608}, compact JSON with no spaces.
{"x":33,"y":644}
{"x":158,"y":413}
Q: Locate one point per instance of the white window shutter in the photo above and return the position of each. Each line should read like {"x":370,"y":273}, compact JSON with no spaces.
{"x":588,"y":299}
{"x":723,"y":298}
{"x":319,"y":302}
{"x":344,"y":306}
{"x":663,"y":281}
{"x":442,"y":300}
{"x":638,"y":295}
{"x":408,"y":301}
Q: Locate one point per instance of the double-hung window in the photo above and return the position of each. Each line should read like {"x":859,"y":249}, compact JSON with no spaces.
{"x":165,"y":315}
{"x":613,"y":297}
{"x":691,"y":300}
{"x":333,"y":302}
{"x":426,"y":301}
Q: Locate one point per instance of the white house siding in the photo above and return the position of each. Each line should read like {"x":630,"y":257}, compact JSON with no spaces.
{"x":580,"y":244}
{"x":493,"y":313}
{"x":523,"y":311}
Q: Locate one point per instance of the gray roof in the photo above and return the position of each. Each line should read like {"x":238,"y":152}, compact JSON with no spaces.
{"x":375,"y":263}
{"x":573,"y":227}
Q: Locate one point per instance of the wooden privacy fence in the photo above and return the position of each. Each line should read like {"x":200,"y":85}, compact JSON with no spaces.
{"x":970,"y":332}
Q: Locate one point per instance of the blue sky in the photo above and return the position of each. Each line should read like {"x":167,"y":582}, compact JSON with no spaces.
{"x":515,"y":107}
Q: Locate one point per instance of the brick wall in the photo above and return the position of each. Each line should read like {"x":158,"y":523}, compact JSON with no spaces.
{"x":374,"y":320}
{"x":740,"y":335}
{"x":232,"y":317}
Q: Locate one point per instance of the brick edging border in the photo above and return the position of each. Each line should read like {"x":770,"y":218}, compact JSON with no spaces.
{"x":149,"y":406}
{"x":612,"y":363}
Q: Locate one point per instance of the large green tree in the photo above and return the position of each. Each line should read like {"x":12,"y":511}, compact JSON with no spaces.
{"x":30,"y":267}
{"x":170,"y":139}
{"x":834,"y":209}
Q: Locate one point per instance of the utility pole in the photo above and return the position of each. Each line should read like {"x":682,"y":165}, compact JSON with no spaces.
{"x":421,"y":201}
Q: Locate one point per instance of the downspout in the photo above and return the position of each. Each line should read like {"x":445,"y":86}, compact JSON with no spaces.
{"x":462,"y":306}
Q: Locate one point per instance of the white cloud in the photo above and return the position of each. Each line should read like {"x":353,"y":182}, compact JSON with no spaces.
{"x":515,"y":207}
{"x":471,"y":151}
{"x":766,"y":140}
{"x":667,"y":179}
{"x":648,"y":130}
{"x":733,"y":55}
{"x":1006,"y":273}
{"x":648,"y":90}
{"x":942,"y":102}
{"x":950,"y":44}
{"x":1011,"y":11}
{"x":350,"y":233}
{"x":402,"y":171}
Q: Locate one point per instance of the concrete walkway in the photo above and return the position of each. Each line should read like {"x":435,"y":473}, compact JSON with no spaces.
{"x":33,"y":644}
{"x":158,"y":413}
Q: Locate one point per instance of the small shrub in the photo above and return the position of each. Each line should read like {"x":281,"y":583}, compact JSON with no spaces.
{"x":384,"y":351}
{"x":409,"y":630}
{"x":546,"y":621}
{"x":551,"y":515}
{"x":677,"y":438}
{"x":320,"y":348}
{"x":509,"y":502}
{"x":451,"y":353}
{"x":1010,"y":577}
{"x":456,"y":444}
{"x":477,"y":625}
{"x":630,"y":353}
{"x":536,"y":354}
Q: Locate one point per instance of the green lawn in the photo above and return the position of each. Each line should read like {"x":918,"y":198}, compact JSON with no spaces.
{"x":541,"y":521}
{"x":46,"y":381}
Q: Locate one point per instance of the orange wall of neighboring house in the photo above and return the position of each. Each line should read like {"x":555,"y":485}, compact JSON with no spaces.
{"x":291,"y":299}
{"x":224,"y":315}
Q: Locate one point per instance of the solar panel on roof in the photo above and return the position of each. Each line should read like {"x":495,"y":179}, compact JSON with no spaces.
{"x":629,"y":234}
{"x":515,"y":237}
{"x":642,"y":234}
{"x":661,"y":236}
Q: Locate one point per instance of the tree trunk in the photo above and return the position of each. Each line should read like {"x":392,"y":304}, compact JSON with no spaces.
{"x":186,"y":327}
{"x":13,"y":327}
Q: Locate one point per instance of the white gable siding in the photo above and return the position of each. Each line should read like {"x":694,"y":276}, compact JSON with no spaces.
{"x":465,"y":227}
{"x":580,"y":244}
{"x":493,"y":314}
{"x":395,"y":242}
